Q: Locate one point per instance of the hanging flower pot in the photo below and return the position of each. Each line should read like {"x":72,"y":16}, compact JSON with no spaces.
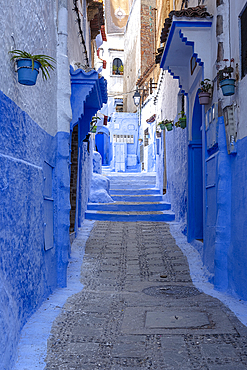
{"x":182,"y":122}
{"x":228,"y":86}
{"x":162,"y":126}
{"x":28,"y":66}
{"x":204,"y":98}
{"x":26,"y":74}
{"x":227,"y":83}
{"x":166,"y":124}
{"x":169,"y":126}
{"x":204,"y":91}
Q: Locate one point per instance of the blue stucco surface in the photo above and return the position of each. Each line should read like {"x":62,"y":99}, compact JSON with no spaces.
{"x":237,"y":254}
{"x":177,"y":172}
{"x":28,"y":273}
{"x":85,"y":161}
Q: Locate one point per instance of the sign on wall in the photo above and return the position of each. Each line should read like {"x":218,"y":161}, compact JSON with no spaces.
{"x":117,"y":13}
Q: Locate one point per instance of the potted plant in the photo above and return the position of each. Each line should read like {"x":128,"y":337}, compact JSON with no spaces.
{"x":204,"y":92}
{"x":182,"y":120}
{"x":121,"y":69}
{"x":28,"y":66}
{"x":166,"y":124}
{"x":93,"y":124}
{"x":114,"y":69}
{"x":227,"y":83}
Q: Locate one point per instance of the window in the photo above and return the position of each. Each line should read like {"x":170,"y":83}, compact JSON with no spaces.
{"x":117,"y":67}
{"x":146,"y":137}
{"x":181,"y":102}
{"x":118,"y":104}
{"x":129,"y":139}
{"x":243,"y":21}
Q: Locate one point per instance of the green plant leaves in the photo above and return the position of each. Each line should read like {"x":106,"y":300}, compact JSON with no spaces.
{"x":44,"y":60}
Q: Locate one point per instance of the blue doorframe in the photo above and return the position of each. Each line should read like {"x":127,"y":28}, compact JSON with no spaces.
{"x":195,"y":176}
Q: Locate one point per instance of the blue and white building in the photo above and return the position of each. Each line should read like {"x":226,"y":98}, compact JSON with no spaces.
{"x":205,"y":164}
{"x":36,"y":135}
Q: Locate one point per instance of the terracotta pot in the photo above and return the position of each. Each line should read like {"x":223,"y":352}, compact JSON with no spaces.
{"x":204,"y":98}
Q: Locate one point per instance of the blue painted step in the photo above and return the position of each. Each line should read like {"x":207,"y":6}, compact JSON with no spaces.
{"x":118,"y":191}
{"x":165,"y":216}
{"x":137,"y":198}
{"x":129,"y":207}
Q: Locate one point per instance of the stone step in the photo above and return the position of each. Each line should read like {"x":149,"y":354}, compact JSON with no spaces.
{"x":137,"y":198}
{"x":129,"y":207}
{"x":131,"y":180}
{"x":165,"y":216}
{"x":152,"y":191}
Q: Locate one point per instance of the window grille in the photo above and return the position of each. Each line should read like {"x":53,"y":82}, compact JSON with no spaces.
{"x":129,"y":139}
{"x":146,"y":137}
{"x":117,"y":66}
{"x":243,"y":22}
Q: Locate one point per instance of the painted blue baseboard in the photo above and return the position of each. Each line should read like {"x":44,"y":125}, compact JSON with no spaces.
{"x":28,"y":272}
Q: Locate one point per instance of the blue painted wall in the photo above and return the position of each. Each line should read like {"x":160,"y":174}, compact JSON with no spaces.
{"x":195,"y":176}
{"x":28,"y":273}
{"x":177,"y":172}
{"x":237,"y":254}
{"x":85,"y":161}
{"x":124,"y":124}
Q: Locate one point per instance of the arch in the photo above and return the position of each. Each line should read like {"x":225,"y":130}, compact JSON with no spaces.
{"x":102,"y":143}
{"x":104,"y":130}
{"x":195,"y":176}
{"x":117,"y":66}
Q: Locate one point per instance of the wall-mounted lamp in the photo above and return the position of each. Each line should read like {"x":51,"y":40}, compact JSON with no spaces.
{"x":137,"y":97}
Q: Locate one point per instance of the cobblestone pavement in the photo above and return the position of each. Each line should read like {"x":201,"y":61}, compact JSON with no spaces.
{"x":140,"y":310}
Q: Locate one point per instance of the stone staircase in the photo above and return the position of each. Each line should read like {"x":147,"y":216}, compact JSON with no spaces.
{"x":135,"y":199}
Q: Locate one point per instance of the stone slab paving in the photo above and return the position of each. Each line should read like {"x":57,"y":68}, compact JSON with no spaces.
{"x":129,"y":317}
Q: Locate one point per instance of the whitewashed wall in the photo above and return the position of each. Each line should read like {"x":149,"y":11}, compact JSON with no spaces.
{"x":25,"y":25}
{"x":132,"y":52}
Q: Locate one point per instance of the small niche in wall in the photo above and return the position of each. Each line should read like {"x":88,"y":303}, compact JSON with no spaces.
{"x":48,"y":206}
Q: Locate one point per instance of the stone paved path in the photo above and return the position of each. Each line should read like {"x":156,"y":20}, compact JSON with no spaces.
{"x":140,"y":310}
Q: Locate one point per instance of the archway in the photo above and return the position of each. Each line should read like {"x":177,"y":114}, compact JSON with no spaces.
{"x":102,"y":142}
{"x":195,"y":176}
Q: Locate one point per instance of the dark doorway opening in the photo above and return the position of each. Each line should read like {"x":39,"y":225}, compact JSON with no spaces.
{"x":73,"y":177}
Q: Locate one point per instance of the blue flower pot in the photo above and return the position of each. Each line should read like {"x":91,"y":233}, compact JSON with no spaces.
{"x":228,"y":86}
{"x":162,"y":126}
{"x":27,"y":76}
{"x":182,"y":122}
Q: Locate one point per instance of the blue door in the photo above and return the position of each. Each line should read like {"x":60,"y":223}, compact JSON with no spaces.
{"x":102,"y":146}
{"x":195,"y":179}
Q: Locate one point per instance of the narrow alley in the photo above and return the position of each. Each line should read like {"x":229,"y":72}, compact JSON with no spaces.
{"x":123,"y":185}
{"x":140,"y":310}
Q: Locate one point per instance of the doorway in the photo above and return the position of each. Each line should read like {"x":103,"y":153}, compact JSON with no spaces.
{"x":73,"y":177}
{"x":195,"y":177}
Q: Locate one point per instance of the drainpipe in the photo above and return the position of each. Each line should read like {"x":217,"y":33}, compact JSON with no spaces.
{"x":64,"y":116}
